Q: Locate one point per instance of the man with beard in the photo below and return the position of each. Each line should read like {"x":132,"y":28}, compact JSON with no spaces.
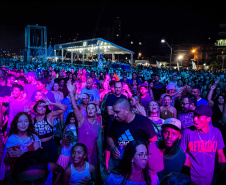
{"x":188,"y":105}
{"x":166,"y":155}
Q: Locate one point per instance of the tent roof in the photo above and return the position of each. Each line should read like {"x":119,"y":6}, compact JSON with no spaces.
{"x":91,"y":46}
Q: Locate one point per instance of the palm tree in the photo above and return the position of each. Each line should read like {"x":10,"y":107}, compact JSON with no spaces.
{"x":216,"y":64}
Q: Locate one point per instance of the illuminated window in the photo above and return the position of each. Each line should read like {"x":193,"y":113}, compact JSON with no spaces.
{"x":140,"y":43}
{"x":117,"y":35}
{"x":131,"y":42}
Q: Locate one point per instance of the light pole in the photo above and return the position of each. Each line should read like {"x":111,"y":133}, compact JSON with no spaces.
{"x":171,"y":49}
{"x":223,"y":60}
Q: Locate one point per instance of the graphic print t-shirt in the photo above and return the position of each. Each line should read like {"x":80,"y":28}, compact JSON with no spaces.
{"x":140,"y":128}
{"x":202,"y":149}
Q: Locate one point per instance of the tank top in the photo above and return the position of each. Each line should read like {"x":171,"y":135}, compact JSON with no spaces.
{"x":43,"y":128}
{"x":58,"y":97}
{"x":91,"y":131}
{"x":76,"y":176}
{"x":165,"y":114}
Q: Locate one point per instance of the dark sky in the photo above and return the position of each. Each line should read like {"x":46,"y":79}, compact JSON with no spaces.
{"x":181,"y":19}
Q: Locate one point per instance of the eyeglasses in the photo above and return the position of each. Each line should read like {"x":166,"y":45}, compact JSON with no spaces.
{"x":143,"y":156}
{"x":183,"y":104}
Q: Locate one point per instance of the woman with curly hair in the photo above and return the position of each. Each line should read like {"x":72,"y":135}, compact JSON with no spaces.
{"x":22,"y":138}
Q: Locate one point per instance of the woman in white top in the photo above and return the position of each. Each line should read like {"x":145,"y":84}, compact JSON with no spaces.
{"x":80,"y":171}
{"x":22,"y":138}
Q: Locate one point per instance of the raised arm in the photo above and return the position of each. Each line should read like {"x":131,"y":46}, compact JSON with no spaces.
{"x":182,"y":89}
{"x":80,"y":118}
{"x":210,"y":94}
{"x":128,"y":91}
{"x":57,"y":112}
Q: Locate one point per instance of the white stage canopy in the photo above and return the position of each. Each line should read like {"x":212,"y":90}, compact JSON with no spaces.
{"x":93,"y":46}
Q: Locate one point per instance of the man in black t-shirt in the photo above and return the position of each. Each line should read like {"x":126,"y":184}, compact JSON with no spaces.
{"x":112,"y":98}
{"x":158,"y":88}
{"x":125,"y":128}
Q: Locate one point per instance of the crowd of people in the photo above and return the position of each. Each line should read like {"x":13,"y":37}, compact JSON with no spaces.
{"x":63,"y":124}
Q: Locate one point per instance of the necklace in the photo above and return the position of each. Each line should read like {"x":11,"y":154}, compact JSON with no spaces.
{"x":201,"y":138}
{"x":167,"y":108}
{"x":92,"y":121}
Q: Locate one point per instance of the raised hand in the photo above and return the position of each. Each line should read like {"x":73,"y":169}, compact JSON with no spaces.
{"x":115,"y":152}
{"x":217,"y":80}
{"x":47,"y":101}
{"x":70,"y":86}
{"x":15,"y":153}
{"x":213,"y":87}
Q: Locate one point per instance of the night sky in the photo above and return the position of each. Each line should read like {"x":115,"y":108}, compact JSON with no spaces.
{"x":180,"y":20}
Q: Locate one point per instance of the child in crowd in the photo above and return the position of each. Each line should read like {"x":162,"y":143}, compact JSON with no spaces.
{"x":69,"y":139}
{"x":80,"y":171}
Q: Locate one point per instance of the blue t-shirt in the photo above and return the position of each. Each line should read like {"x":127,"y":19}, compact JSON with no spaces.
{"x":67,"y":101}
{"x":202,"y":101}
{"x":114,"y":179}
{"x":93,"y":93}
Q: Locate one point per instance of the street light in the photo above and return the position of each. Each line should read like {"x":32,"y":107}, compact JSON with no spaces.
{"x":171,"y":49}
{"x":139,"y":55}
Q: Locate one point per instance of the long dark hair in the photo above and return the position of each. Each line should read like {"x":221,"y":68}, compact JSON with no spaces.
{"x":125,"y":166}
{"x":70,"y":115}
{"x":14,"y":129}
{"x":216,"y":100}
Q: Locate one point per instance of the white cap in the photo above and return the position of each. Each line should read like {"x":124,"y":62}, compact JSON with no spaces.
{"x":175,"y":123}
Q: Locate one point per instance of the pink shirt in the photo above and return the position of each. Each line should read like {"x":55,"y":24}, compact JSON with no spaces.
{"x":88,"y":134}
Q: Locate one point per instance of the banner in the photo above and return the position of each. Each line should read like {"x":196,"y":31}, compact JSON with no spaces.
{"x":193,"y":65}
{"x":158,"y":64}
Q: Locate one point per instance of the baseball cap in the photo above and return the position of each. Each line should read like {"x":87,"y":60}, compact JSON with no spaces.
{"x":204,"y":110}
{"x":168,"y":87}
{"x":143,"y":85}
{"x":43,"y":80}
{"x":31,"y":73}
{"x":173,"y":123}
{"x":174,"y":74}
